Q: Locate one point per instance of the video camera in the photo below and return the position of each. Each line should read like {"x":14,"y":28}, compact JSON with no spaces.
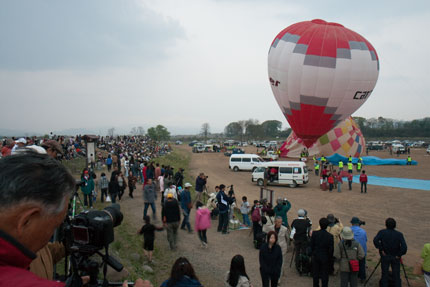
{"x":85,"y":235}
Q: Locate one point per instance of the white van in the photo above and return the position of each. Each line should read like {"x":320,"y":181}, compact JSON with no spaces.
{"x":245,"y":161}
{"x":398,"y":148}
{"x":291,"y":173}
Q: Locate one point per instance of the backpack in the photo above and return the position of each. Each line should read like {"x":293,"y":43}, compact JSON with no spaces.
{"x":255,"y":216}
{"x":260,"y":238}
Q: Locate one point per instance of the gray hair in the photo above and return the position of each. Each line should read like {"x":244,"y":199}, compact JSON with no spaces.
{"x":34,"y":178}
{"x":278,"y":217}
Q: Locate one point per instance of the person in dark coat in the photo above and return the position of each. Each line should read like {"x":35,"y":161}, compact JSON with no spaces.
{"x":182,"y":275}
{"x":224,"y":202}
{"x":270,"y":260}
{"x":392,"y":247}
{"x":113,"y":187}
{"x":322,"y":244}
{"x":200,"y":185}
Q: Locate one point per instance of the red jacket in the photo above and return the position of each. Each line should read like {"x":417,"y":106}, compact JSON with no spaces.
{"x":363,"y":177}
{"x":14,"y":262}
{"x":330,"y":179}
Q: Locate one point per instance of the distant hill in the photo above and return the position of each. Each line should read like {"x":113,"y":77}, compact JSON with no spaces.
{"x":17,"y":133}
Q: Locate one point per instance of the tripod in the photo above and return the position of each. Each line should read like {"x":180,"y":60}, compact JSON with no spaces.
{"x":376,"y":267}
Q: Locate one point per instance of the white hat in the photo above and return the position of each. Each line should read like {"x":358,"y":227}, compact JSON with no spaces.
{"x":187,"y":184}
{"x":21,"y":140}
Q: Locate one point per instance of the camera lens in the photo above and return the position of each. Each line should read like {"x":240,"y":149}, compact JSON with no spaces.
{"x":115,"y":213}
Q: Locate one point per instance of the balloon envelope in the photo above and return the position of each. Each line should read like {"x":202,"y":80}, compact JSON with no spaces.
{"x":345,"y":139}
{"x":320,"y":73}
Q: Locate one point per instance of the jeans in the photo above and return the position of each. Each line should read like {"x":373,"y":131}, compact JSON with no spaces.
{"x":103,"y":194}
{"x":223,"y":222}
{"x":186,"y":220}
{"x":145,"y":210}
{"x":350,"y":184}
{"x":172,"y":234}
{"x":246,"y":219}
{"x":330,"y":187}
{"x":202,"y":236}
{"x":339,"y":187}
{"x":365,"y":187}
{"x":386,"y":261}
{"x":88,"y":198}
{"x":348,"y":278}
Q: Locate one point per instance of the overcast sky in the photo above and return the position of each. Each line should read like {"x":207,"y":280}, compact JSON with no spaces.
{"x":97,"y":64}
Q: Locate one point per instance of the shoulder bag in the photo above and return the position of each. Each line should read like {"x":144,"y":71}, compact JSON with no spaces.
{"x":353,"y":263}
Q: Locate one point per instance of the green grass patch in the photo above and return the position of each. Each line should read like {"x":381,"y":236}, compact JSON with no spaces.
{"x":75,"y":165}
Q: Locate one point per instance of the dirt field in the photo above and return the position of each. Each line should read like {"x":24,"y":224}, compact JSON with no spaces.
{"x":409,"y":207}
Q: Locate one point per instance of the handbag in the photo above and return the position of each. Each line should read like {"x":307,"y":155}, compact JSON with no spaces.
{"x":354,"y":265}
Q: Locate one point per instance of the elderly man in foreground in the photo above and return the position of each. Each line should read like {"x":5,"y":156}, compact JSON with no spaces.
{"x":34,"y":193}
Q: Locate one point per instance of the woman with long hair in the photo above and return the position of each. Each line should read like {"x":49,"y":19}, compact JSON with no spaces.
{"x":182,"y":275}
{"x":270,"y":260}
{"x":237,"y":276}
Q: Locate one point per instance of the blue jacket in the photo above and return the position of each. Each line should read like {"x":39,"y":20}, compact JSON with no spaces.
{"x":391,"y":242}
{"x":222,"y":206}
{"x":184,"y":282}
{"x":185,"y":199}
{"x":360,"y":236}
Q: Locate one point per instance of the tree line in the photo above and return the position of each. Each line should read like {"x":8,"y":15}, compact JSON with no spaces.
{"x":383,"y":127}
{"x":252,"y":130}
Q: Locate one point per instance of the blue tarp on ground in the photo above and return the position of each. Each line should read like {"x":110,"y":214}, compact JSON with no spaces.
{"x":395,"y":182}
{"x":367,"y":160}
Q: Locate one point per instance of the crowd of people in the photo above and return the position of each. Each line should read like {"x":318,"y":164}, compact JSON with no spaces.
{"x":35,"y":187}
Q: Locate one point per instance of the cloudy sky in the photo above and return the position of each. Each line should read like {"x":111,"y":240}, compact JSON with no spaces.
{"x":97,"y":64}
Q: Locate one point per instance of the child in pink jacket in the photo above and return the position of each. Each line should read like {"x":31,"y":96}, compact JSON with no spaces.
{"x":203,"y":222}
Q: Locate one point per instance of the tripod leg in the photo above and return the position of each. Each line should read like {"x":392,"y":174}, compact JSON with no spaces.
{"x":376,"y":267}
{"x":404,"y":271}
{"x":292,"y":257}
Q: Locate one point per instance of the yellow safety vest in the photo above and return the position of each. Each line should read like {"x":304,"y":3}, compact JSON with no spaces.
{"x":317,"y":167}
{"x":409,"y":159}
{"x":341,"y":164}
{"x":350,"y":159}
{"x":359,"y":165}
{"x":323,"y":159}
{"x":350,"y":165}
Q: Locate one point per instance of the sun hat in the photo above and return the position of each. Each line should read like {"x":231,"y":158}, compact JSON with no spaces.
{"x":188,"y":184}
{"x":21,"y":140}
{"x":347,"y":233}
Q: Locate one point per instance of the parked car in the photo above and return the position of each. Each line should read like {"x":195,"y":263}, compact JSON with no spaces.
{"x":271,"y":155}
{"x":428,"y":150}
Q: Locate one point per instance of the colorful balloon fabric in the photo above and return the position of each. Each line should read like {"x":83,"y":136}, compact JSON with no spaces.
{"x":320,"y":73}
{"x":345,"y":139}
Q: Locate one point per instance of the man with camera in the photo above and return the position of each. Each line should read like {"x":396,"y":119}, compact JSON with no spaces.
{"x":34,"y":194}
{"x":392,"y":247}
{"x":360,"y":236}
{"x":224,"y":202}
{"x":200,"y":185}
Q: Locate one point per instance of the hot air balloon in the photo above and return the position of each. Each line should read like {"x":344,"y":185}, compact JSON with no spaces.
{"x":344,"y":139}
{"x":320,"y":73}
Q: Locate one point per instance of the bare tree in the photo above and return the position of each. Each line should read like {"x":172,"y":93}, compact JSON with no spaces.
{"x":140,"y":131}
{"x":110,"y":132}
{"x":205,"y":130}
{"x":133,"y":131}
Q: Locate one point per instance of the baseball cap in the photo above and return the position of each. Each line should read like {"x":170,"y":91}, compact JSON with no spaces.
{"x":187,"y":184}
{"x":21,"y":140}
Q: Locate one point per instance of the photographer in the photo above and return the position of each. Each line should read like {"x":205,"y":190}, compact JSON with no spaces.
{"x":200,"y":185}
{"x":34,"y":192}
{"x":360,"y":236}
{"x":392,"y":247}
{"x":223,"y":205}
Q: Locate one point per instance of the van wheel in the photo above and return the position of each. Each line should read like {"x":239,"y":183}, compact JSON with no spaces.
{"x":294,"y":184}
{"x":260,"y":182}
{"x":235,"y":168}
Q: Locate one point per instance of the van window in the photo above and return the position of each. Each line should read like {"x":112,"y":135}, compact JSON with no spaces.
{"x":260,"y":169}
{"x":255,"y":159}
{"x":305,"y":169}
{"x":297,"y":170}
{"x":246,"y":159}
{"x":236,"y":159}
{"x":286,"y":170}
